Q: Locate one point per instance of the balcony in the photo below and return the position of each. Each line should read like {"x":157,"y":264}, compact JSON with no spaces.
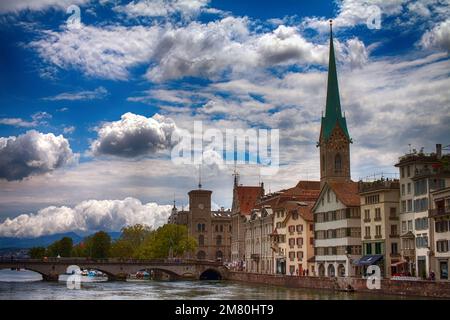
{"x":394,"y":235}
{"x":438,"y":212}
{"x":378,"y":236}
{"x":377,"y":219}
{"x":367,"y":237}
{"x":366,"y":219}
{"x":393,"y":217}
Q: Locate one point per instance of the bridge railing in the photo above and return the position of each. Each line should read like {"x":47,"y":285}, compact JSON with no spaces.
{"x":77,"y":260}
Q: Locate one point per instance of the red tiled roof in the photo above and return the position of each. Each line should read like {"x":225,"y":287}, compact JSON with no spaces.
{"x":305,"y":211}
{"x":347,"y":192}
{"x":247,"y":197}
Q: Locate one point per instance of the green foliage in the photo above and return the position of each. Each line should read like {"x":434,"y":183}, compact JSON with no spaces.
{"x":169,"y":240}
{"x":37,"y":252}
{"x":61,"y":248}
{"x":98,"y":245}
{"x":122,"y":249}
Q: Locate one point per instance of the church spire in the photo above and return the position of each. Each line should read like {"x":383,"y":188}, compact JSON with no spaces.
{"x":333,"y":113}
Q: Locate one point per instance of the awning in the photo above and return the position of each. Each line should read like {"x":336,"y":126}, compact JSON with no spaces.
{"x":368,"y":260}
{"x":396,"y":264}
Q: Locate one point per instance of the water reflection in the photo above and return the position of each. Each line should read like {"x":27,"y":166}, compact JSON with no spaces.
{"x":152,"y":290}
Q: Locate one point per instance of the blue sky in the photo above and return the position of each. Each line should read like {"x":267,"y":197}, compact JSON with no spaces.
{"x":86,"y":112}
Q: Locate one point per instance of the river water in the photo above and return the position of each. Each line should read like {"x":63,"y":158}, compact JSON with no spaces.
{"x":24,"y":285}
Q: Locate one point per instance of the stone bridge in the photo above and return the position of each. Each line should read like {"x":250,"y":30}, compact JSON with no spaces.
{"x":50,"y":269}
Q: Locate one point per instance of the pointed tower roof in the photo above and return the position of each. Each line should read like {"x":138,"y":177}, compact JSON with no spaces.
{"x":333,"y":113}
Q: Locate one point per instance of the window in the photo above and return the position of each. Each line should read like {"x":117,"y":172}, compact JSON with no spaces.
{"x":420,"y":205}
{"x":378,"y":231}
{"x":367,"y":232}
{"x":402,"y":172}
{"x":299,"y":242}
{"x":393,"y":229}
{"x":410,"y":225}
{"x":219,"y":240}
{"x":338,"y":163}
{"x":300,"y":255}
{"x":392,"y":212}
{"x":367,"y":214}
{"x":421,"y":223}
{"x":403,"y":189}
{"x":377,"y":214}
{"x":291,"y":242}
{"x":217,"y":228}
{"x":404,"y":206}
{"x":422,"y":241}
{"x":378,"y":248}
{"x":368,"y":247}
{"x":311,"y":241}
{"x":299,"y":228}
{"x":291,"y":229}
{"x":291,"y":255}
{"x":420,"y":187}
{"x":201,"y":240}
{"x":199,"y":227}
{"x":441,"y":226}
{"x":404,"y":226}
{"x":410,"y":208}
{"x":409,"y":188}
{"x":394,"y":248}
{"x":221,"y":228}
{"x":372,"y":199}
{"x":408,"y":171}
{"x":328,"y":196}
{"x":442,"y":246}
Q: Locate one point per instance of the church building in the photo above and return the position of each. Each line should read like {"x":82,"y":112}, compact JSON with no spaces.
{"x":337,"y":209}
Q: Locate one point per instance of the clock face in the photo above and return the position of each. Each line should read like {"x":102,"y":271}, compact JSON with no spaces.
{"x":201,"y":206}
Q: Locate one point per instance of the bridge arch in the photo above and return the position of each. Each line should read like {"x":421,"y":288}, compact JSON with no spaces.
{"x":211,"y":274}
{"x":43,"y":275}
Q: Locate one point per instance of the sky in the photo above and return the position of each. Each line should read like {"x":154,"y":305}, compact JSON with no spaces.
{"x":93,"y":92}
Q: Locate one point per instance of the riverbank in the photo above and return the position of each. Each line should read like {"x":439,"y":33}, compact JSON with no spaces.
{"x":430,"y":289}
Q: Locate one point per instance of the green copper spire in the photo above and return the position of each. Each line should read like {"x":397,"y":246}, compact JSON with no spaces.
{"x":333,"y":113}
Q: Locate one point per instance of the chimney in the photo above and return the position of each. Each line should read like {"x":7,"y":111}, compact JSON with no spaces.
{"x":439,"y":151}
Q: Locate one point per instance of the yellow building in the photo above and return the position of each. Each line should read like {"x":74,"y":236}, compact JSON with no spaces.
{"x":298,"y":226}
{"x":380,"y":225}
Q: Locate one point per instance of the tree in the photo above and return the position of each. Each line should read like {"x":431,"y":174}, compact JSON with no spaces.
{"x":62,"y":248}
{"x":98,"y":245}
{"x":37,"y":252}
{"x":135,"y":235}
{"x":170,"y":239}
{"x":122,"y":249}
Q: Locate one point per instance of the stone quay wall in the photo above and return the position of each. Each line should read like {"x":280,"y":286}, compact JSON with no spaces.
{"x":431,"y":289}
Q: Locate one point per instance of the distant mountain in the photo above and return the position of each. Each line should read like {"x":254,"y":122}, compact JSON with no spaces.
{"x":44,"y":241}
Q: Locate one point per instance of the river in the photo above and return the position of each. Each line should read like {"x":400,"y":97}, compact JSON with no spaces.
{"x":25,"y":285}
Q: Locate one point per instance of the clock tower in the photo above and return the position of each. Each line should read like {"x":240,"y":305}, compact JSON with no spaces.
{"x":334,"y":141}
{"x":199,"y":221}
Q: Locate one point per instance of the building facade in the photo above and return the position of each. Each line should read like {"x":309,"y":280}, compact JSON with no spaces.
{"x":244,"y":200}
{"x":380,"y":228}
{"x":440,"y":223}
{"x":258,"y":251}
{"x":337,"y":223}
{"x":420,"y":175}
{"x":211,"y":229}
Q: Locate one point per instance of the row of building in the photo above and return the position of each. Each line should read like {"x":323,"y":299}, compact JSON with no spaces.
{"x":334,"y":227}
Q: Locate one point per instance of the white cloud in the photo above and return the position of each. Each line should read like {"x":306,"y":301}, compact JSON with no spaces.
{"x":37,"y":119}
{"x":106,"y":52}
{"x":37,"y":5}
{"x":438,"y":37}
{"x":90,"y":215}
{"x":69,"y":130}
{"x":162,"y":8}
{"x":355,"y":12}
{"x":208,"y":50}
{"x":134,"y":135}
{"x":33,"y":153}
{"x":98,"y":93}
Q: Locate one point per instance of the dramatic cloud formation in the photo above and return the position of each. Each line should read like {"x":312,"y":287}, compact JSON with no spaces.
{"x":207,"y":50}
{"x":438,"y":37}
{"x":37,"y":5}
{"x":162,"y":8}
{"x":33,"y":153}
{"x":98,"y":93}
{"x":91,"y":215}
{"x":134,"y":135}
